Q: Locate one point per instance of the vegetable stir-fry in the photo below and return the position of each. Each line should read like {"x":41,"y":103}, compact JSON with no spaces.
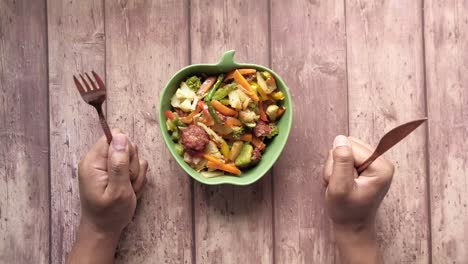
{"x":222,"y":124}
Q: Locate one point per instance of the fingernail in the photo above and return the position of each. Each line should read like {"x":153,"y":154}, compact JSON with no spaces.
{"x":340,"y":141}
{"x":119,"y":142}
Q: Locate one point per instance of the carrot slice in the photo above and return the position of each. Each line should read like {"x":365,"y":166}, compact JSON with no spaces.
{"x":213,"y":159}
{"x":232,"y":122}
{"x":242,"y":71}
{"x":223,"y":109}
{"x":169,"y":114}
{"x":243,"y":82}
{"x":206,"y":85}
{"x":216,"y":163}
{"x":231,"y":168}
{"x":188,"y":119}
{"x":246,"y":137}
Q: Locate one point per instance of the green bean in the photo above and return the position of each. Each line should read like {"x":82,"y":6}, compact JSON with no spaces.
{"x":215,"y":87}
{"x":210,"y":95}
{"x":213,"y":112}
{"x":224,"y":91}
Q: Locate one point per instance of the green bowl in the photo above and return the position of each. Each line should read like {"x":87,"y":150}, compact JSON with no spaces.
{"x":273,"y":150}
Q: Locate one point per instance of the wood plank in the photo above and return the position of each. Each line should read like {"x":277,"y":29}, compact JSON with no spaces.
{"x":76,"y":44}
{"x":232,"y":224}
{"x":24,"y":162}
{"x":309,"y":51}
{"x":446,"y":34}
{"x":147,"y":42}
{"x":386,"y":88}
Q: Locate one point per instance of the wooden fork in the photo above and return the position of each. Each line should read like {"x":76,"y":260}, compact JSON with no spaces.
{"x":390,"y":139}
{"x":94,"y":95}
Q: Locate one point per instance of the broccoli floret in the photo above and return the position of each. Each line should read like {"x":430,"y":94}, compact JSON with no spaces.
{"x":193,"y":83}
{"x":179,"y":123}
{"x":175,"y":135}
{"x":179,"y":149}
{"x":237,"y":132}
{"x":273,"y":130}
{"x":171,"y":126}
{"x":248,"y":116}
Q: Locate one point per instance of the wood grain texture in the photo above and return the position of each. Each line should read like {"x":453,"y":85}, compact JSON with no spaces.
{"x":76,"y":44}
{"x":147,"y":42}
{"x":232,"y":224}
{"x":446,"y":34}
{"x":386,"y":88}
{"x":24,"y":162}
{"x":280,"y":219}
{"x":309,"y":52}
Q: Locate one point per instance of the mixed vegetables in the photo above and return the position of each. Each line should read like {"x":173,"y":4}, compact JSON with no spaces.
{"x":222,"y":124}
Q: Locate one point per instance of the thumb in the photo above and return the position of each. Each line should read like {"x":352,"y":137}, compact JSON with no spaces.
{"x":118,"y":163}
{"x":342,"y":178}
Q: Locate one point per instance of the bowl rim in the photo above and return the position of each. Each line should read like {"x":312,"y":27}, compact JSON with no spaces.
{"x":227,"y":57}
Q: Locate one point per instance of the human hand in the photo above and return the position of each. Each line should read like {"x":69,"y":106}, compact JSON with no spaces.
{"x":110,"y":179}
{"x":352,"y":200}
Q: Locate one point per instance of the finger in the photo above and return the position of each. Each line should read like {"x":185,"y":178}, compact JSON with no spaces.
{"x":93,"y":166}
{"x":328,"y":168}
{"x":101,"y":147}
{"x":140,"y":193}
{"x":362,"y":152}
{"x":342,"y":178}
{"x":116,"y":131}
{"x":140,"y":181}
{"x":364,"y":144}
{"x":119,"y":160}
{"x":134,"y":162}
{"x":97,"y":155}
{"x":100,"y":150}
{"x":381,"y":168}
{"x":134,"y":165}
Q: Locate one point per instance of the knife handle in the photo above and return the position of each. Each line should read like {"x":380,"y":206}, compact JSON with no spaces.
{"x":368,"y":162}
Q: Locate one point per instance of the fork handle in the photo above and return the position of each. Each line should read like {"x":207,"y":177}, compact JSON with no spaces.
{"x":104,"y":124}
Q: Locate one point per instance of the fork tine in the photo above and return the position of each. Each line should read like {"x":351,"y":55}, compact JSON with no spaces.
{"x":92,"y":82}
{"x":78,"y":85}
{"x":98,"y":80}
{"x":86,"y":83}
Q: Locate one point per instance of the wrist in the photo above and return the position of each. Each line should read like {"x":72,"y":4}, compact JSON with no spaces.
{"x":354,"y":231}
{"x":90,"y":231}
{"x":357,"y":243}
{"x":94,"y":245}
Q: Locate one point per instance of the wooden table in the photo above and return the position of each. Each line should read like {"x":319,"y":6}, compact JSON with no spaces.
{"x":353,"y":67}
